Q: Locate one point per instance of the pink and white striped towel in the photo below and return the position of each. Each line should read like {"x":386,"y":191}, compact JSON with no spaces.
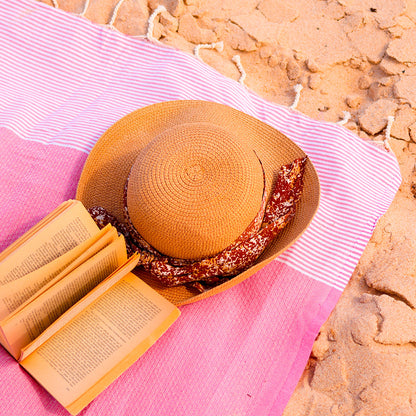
{"x":63,"y":82}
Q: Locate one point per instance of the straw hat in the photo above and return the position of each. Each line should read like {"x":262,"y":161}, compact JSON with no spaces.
{"x":195,"y":181}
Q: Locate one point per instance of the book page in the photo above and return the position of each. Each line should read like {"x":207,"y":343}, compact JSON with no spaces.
{"x":25,"y":324}
{"x":101,"y":342}
{"x":69,"y":229}
{"x":15,"y":293}
{"x":72,"y":312}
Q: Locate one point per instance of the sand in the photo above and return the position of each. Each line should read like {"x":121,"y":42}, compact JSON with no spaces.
{"x":349,"y":55}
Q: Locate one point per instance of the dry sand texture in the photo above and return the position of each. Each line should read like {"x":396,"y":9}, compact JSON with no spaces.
{"x":350,"y":55}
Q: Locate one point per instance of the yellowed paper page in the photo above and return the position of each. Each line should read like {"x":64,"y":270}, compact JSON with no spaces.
{"x":79,"y":404}
{"x":71,"y":313}
{"x":101,"y":342}
{"x":72,"y":227}
{"x":24,"y":325}
{"x":4,"y":342}
{"x":14,"y":294}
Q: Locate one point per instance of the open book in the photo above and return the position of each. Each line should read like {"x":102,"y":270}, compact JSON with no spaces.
{"x":71,"y":311}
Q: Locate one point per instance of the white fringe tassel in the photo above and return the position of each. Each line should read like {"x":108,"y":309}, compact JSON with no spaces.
{"x":114,"y":15}
{"x":237,"y":60}
{"x":151,"y":22}
{"x":346,"y":119}
{"x":219,"y":46}
{"x":298,"y":88}
{"x":84,"y":10}
{"x":386,"y":141}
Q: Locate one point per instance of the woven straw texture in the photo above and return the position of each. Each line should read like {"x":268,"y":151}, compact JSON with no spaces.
{"x":193,"y":190}
{"x":112,"y":158}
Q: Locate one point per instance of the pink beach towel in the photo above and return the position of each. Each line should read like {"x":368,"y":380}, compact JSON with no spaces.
{"x":63,"y":82}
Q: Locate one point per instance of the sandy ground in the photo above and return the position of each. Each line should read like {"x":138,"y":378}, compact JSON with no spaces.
{"x":350,"y":55}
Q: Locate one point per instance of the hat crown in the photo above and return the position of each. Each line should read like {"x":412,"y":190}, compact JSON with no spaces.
{"x":194,"y":189}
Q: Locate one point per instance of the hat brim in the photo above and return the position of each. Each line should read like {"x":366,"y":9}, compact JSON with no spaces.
{"x":109,"y":162}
